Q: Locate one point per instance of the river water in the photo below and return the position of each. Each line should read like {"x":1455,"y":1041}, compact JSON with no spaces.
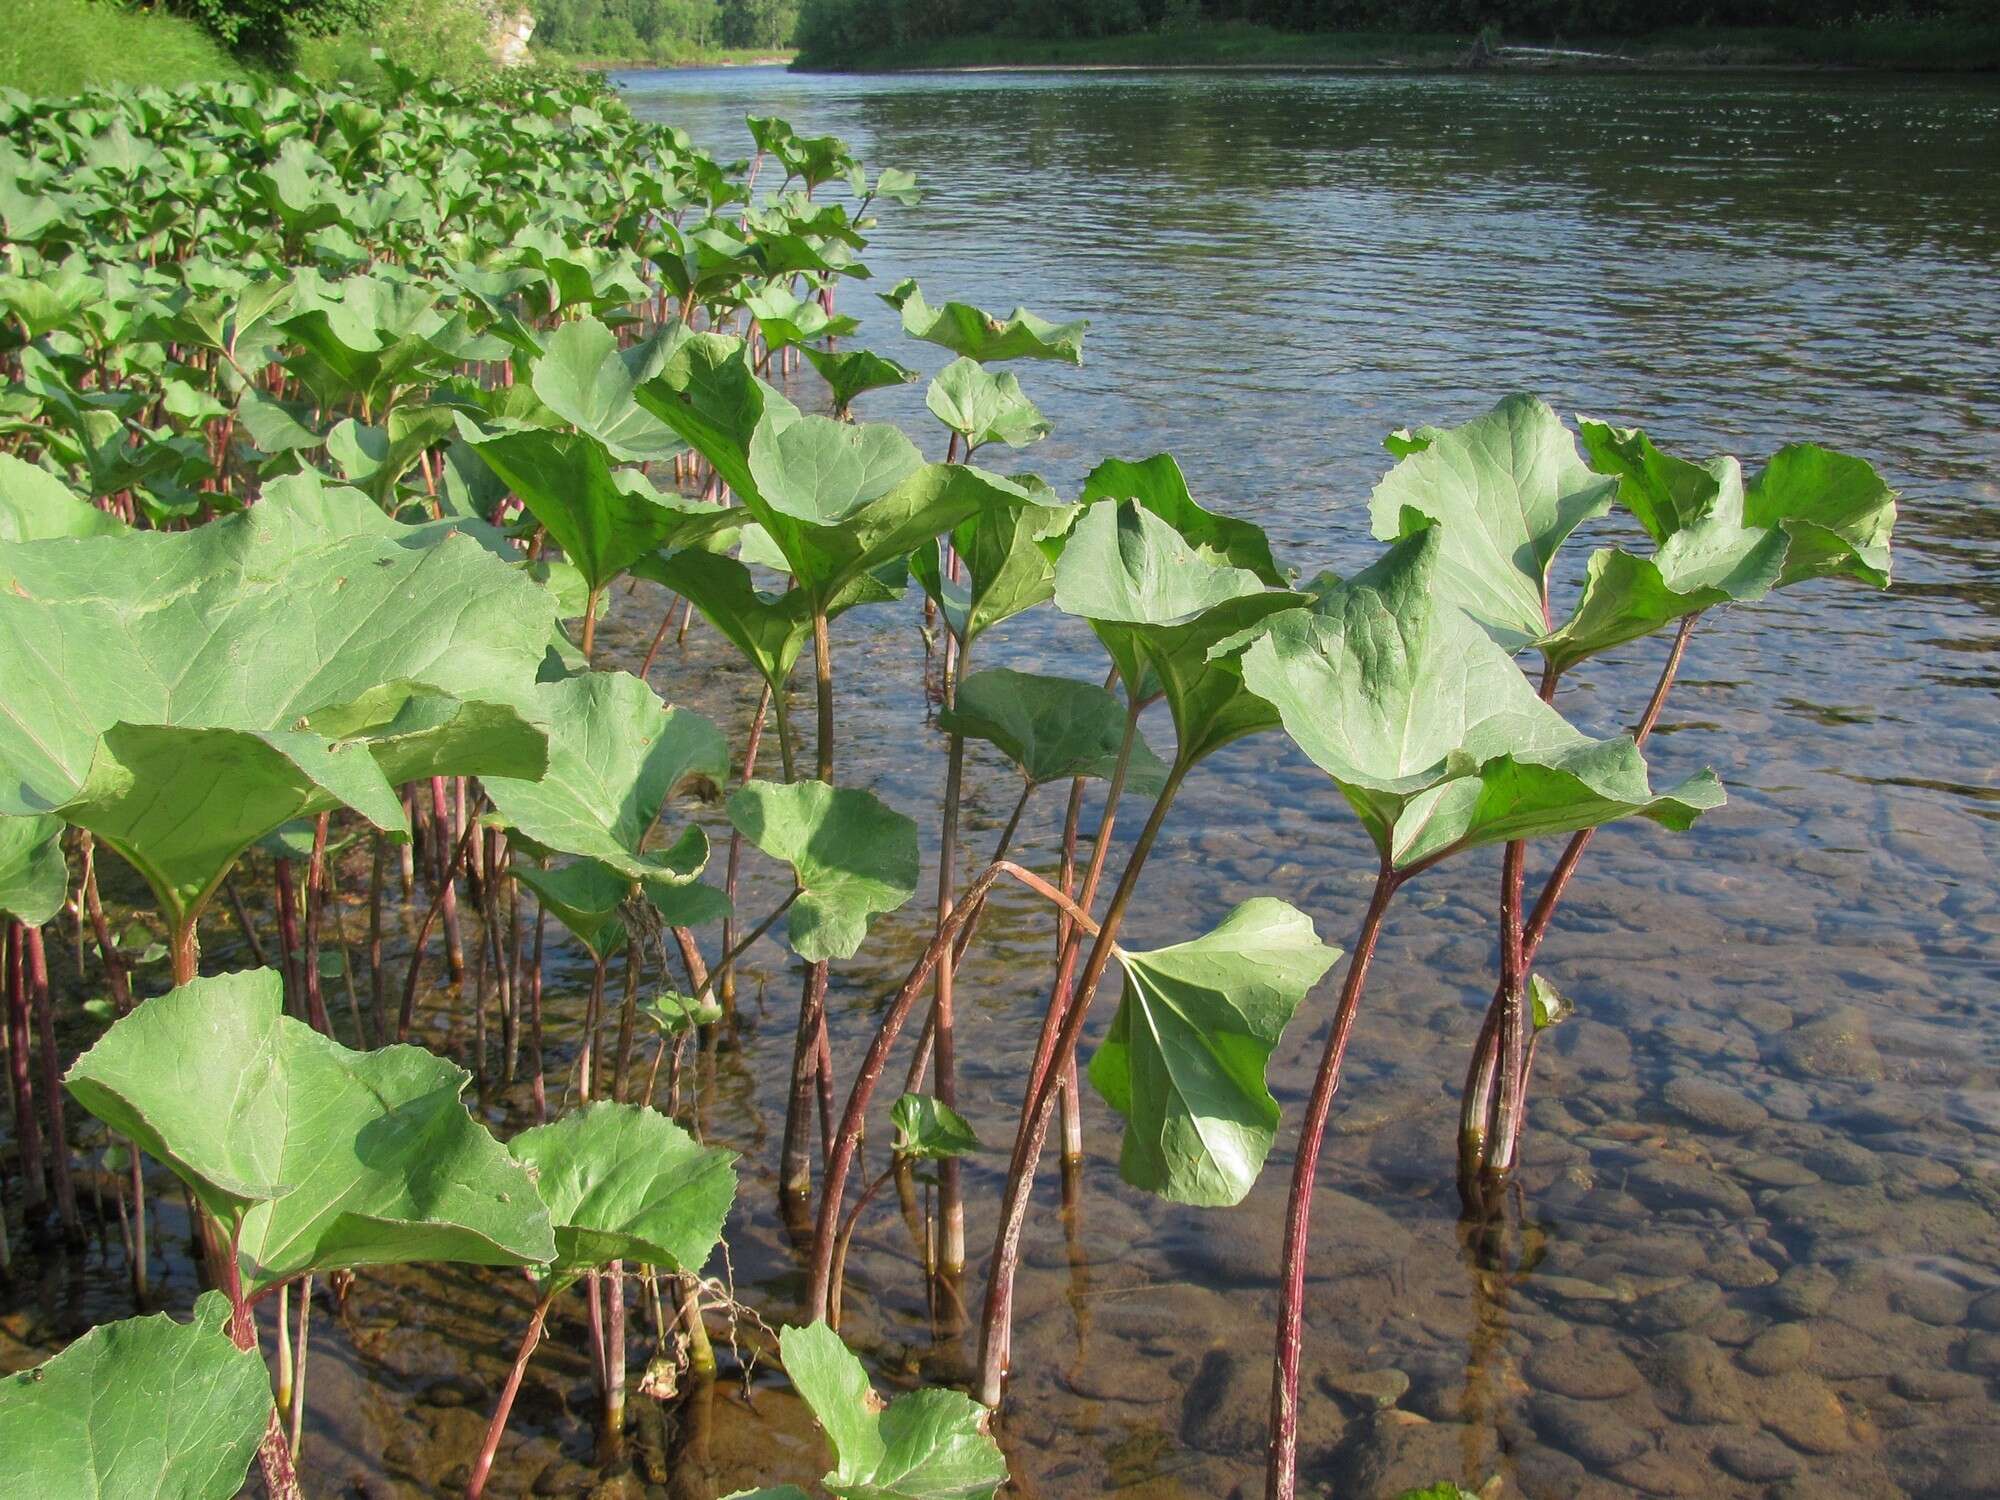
{"x":1760,"y":1252}
{"x":1757,"y":1250}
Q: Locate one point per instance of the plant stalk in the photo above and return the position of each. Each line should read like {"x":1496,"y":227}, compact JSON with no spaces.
{"x":1281,"y":1473}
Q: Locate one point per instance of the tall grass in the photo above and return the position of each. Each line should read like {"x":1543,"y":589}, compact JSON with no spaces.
{"x":60,"y":46}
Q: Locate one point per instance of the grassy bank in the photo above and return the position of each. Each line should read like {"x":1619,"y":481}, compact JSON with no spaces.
{"x":1888,"y":44}
{"x":60,"y":46}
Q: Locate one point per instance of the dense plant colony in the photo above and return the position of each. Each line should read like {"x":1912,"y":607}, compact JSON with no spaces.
{"x":330,"y":426}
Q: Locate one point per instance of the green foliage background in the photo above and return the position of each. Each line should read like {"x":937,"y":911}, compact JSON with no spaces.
{"x":830,"y":30}
{"x":661,"y":30}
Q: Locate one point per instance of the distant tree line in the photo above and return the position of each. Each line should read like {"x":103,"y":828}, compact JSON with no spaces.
{"x":836,"y":28}
{"x":661,"y":29}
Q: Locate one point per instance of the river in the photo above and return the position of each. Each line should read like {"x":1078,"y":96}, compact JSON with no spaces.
{"x":1757,"y":1239}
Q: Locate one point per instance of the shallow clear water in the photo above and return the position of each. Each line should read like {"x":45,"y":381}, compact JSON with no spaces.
{"x":1777,"y":1109}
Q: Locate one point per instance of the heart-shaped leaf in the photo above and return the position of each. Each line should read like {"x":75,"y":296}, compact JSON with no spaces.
{"x":1429,"y":729}
{"x":977,"y":334}
{"x":616,"y":753}
{"x":853,"y":857}
{"x":1053,"y":728}
{"x":146,"y":1407}
{"x":983,"y":407}
{"x":1507,"y":489}
{"x":623,"y":1182}
{"x":325,"y":1158}
{"x":1185,"y":1057}
{"x":926,"y":1445}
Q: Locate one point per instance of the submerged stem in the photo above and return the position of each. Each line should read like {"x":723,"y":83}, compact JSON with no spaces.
{"x":1280,"y":1480}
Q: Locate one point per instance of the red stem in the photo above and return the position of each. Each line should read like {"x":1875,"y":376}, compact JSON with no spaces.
{"x":1281,"y":1474}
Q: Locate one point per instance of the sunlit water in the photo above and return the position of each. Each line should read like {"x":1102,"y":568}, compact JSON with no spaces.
{"x":1758,"y":1251}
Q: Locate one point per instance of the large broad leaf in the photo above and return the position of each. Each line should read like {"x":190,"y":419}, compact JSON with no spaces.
{"x":854,"y":372}
{"x":1816,"y":513}
{"x":616,"y":754}
{"x":587,"y":379}
{"x":1053,"y":728}
{"x":1185,"y":1057}
{"x":925,"y":1445}
{"x":1507,"y":489}
{"x":183,"y":694}
{"x":820,"y":471}
{"x":1006,"y":549}
{"x":853,"y":857}
{"x":1158,"y":484}
{"x":1836,"y":509}
{"x":595,"y":901}
{"x":34,"y":878}
{"x":144,"y":1409}
{"x":35,"y":506}
{"x":983,"y":407}
{"x":623,"y":1182}
{"x":1160,"y":605}
{"x":604,"y":520}
{"x":770,"y":629}
{"x":828,"y":559}
{"x":976,"y":334}
{"x":1835,"y":513}
{"x":706,"y":392}
{"x":1427,"y":726}
{"x":785,"y":318}
{"x":319,"y":1157}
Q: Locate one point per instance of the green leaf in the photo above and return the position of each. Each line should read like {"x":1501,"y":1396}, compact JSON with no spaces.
{"x":260,"y":670}
{"x":676,"y":1014}
{"x":586,"y":896}
{"x":706,"y":392}
{"x":769,"y":629}
{"x":1160,"y":606}
{"x":623,"y":1182}
{"x":785,"y":318}
{"x":1005,"y":548}
{"x":1185,"y":1057}
{"x":325,"y":1158}
{"x":1430,"y":731}
{"x":976,"y":334}
{"x":616,"y":753}
{"x":1159,"y":486}
{"x":36,"y":506}
{"x":585,"y":378}
{"x":34,"y":877}
{"x":854,"y":858}
{"x":1053,"y":728}
{"x":929,"y":1130}
{"x":926,"y":1445}
{"x":1625,"y":596}
{"x":1550,"y":1006}
{"x":603,"y":521}
{"x":982,"y":407}
{"x":1507,"y":489}
{"x":827,"y":561}
{"x":146,"y":1407}
{"x":820,"y":471}
{"x":1836,"y":509}
{"x":855,"y":372}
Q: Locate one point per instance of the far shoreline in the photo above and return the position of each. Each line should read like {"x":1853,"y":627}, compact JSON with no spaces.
{"x":1870,"y":46}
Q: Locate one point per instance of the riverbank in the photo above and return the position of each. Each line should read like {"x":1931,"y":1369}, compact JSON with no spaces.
{"x":1918,"y":46}
{"x":719,"y":57}
{"x":60,"y":46}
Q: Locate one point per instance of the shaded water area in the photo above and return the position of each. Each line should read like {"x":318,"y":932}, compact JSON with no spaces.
{"x":1757,"y":1243}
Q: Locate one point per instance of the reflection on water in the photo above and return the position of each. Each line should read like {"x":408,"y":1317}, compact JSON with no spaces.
{"x":1757,"y":1249}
